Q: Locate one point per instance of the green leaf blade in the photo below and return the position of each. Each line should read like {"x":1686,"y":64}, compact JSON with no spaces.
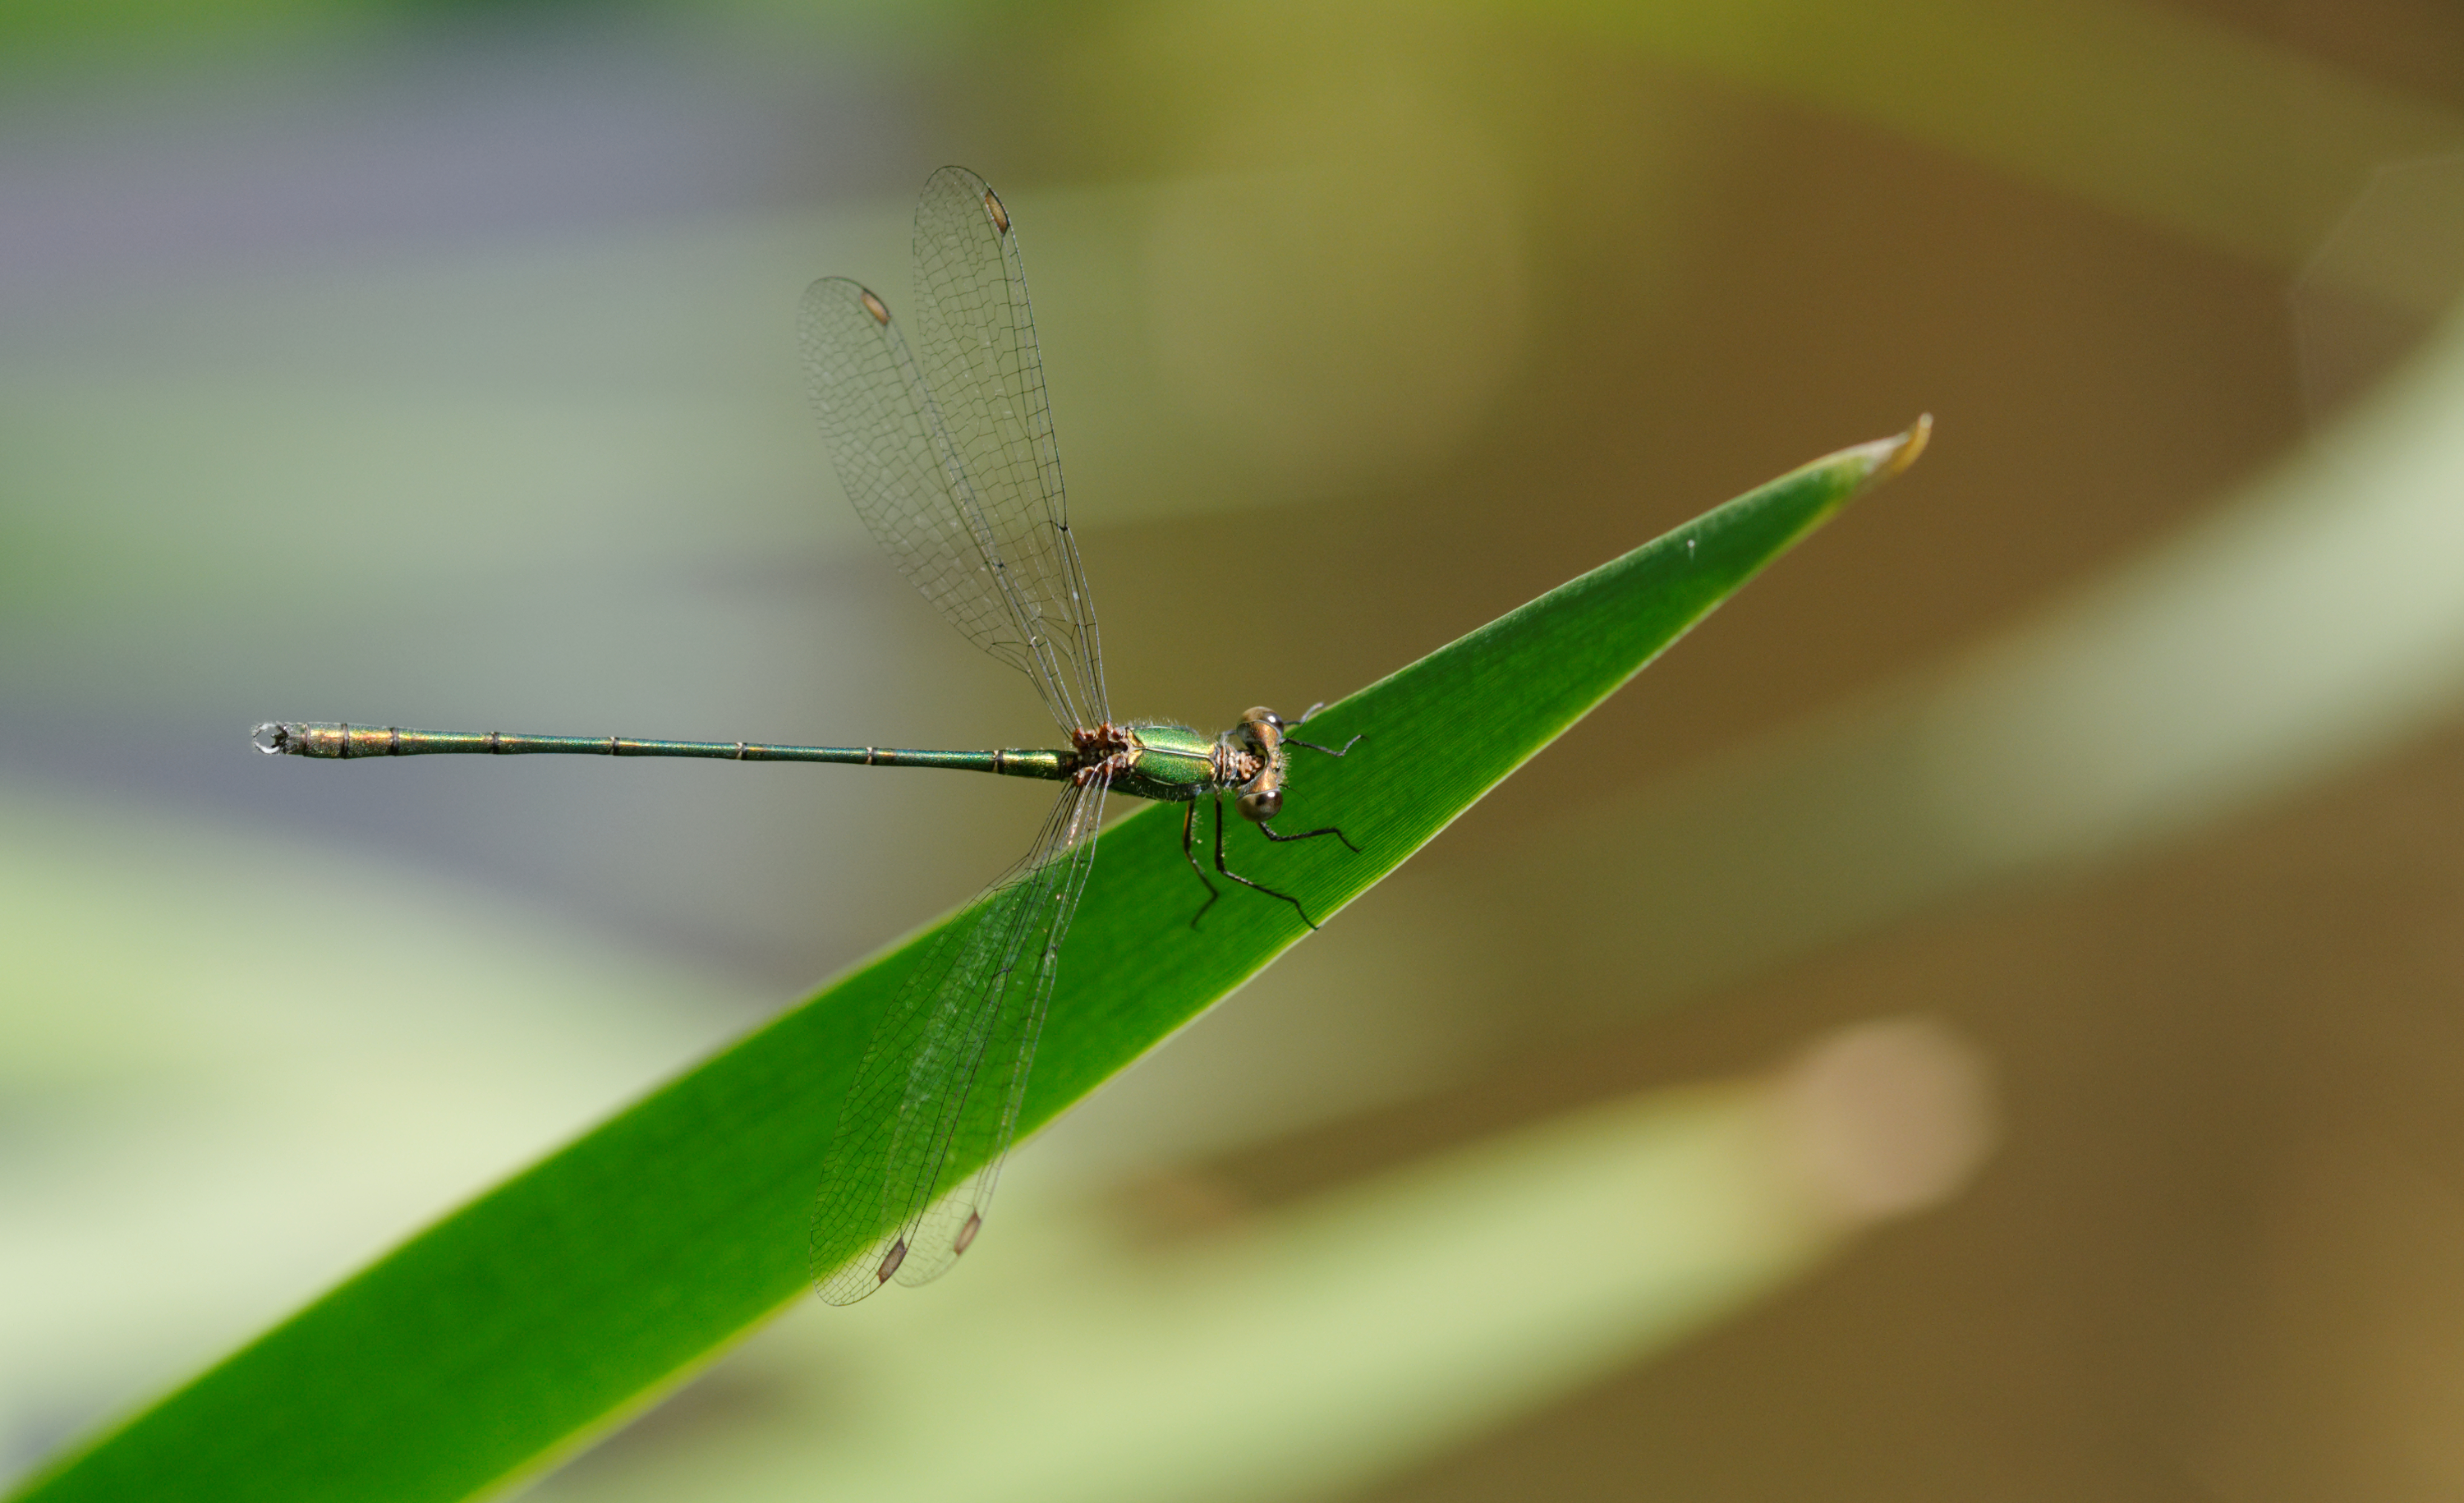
{"x":496,"y":1340}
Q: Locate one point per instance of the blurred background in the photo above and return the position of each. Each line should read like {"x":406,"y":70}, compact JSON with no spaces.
{"x":433,"y":365}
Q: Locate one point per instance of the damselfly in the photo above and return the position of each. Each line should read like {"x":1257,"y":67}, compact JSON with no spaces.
{"x":946,"y":449}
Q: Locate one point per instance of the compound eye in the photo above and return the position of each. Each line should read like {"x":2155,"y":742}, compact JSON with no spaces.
{"x":1259,"y":807}
{"x":1260,"y":713}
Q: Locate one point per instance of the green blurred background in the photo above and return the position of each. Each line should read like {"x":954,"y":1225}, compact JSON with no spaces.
{"x":434,"y":365}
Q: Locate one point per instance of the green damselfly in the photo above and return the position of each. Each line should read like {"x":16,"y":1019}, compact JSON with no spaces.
{"x":949,"y":458}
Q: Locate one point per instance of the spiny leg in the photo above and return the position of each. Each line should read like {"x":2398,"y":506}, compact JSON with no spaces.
{"x":1313,"y":745}
{"x":1294,"y":740}
{"x":1267,"y":831}
{"x":1236,"y":876}
{"x":1189,"y":849}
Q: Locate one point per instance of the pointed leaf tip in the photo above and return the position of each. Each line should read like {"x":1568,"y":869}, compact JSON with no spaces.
{"x":1880,"y":459}
{"x":1908,"y":447}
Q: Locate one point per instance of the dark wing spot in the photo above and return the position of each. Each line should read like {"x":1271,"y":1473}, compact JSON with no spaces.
{"x":1000,"y":215}
{"x":873,"y":305}
{"x":889,"y":1261}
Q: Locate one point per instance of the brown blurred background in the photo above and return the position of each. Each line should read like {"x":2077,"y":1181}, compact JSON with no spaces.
{"x":434,"y":366}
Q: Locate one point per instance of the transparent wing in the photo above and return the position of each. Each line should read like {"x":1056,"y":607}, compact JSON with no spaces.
{"x":951,"y":463}
{"x":976,"y":336}
{"x":937,"y":1095}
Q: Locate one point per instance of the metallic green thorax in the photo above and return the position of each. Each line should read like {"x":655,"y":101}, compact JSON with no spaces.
{"x":1172,"y":763}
